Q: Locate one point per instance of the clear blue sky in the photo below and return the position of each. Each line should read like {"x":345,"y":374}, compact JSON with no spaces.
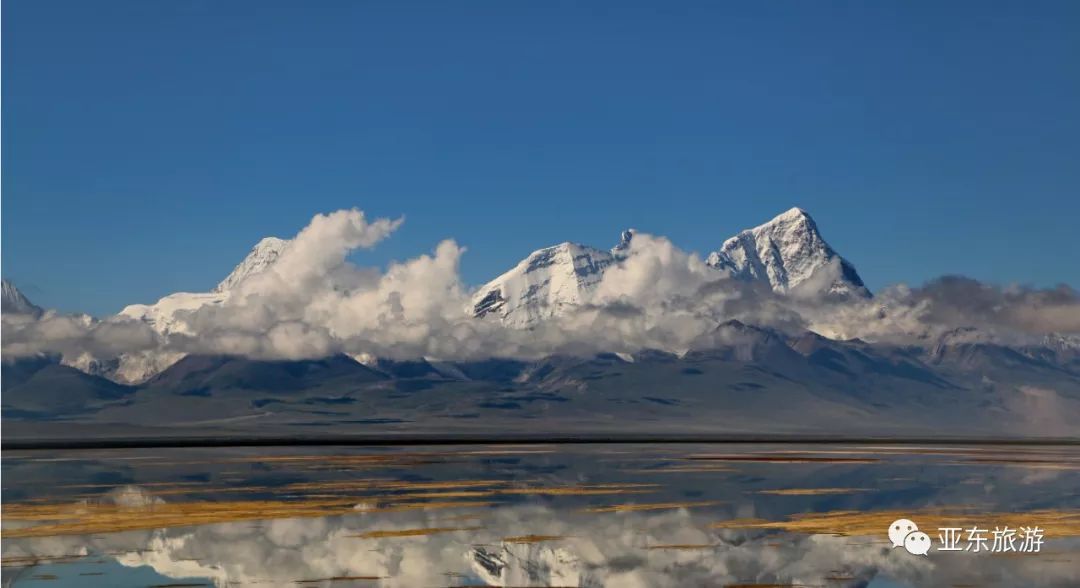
{"x":148,"y":144}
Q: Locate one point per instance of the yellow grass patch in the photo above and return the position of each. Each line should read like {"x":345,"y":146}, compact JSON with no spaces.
{"x":850,"y":523}
{"x":412,"y":532}
{"x":813,"y":491}
{"x":81,"y":519}
{"x":649,"y":506}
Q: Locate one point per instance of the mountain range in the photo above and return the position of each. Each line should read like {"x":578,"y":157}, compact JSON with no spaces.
{"x":755,"y":379}
{"x":762,"y":382}
{"x":786,"y":254}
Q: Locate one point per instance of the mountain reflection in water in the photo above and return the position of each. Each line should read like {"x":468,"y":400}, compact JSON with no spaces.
{"x":597,"y":515}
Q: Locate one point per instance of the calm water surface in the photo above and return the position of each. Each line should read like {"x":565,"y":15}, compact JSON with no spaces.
{"x":595,"y":515}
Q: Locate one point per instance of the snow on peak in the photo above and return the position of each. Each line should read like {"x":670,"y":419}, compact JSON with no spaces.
{"x":262,"y":256}
{"x":13,"y":301}
{"x":543,"y":285}
{"x":169,"y":315}
{"x":624,"y":243}
{"x":793,"y":214}
{"x":789,"y":252}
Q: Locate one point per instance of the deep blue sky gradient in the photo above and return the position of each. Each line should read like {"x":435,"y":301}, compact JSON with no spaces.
{"x":148,"y":145}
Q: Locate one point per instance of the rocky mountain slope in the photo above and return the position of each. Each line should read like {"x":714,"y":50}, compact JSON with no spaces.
{"x":13,"y":301}
{"x":763,"y":382}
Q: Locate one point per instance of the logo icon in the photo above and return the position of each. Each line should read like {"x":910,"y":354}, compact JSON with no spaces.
{"x":899,"y":529}
{"x":917,"y":543}
{"x":905,"y":533}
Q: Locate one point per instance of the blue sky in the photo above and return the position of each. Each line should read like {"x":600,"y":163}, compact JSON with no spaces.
{"x":148,"y":145}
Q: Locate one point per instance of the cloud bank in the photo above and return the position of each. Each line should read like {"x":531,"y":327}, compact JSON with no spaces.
{"x":313,"y":302}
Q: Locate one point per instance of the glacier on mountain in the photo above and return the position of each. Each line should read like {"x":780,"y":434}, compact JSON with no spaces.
{"x":544,"y":285}
{"x":167,"y":315}
{"x":262,"y":256}
{"x":788,"y":254}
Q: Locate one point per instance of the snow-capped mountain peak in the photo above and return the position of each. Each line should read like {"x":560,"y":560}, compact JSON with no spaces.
{"x":788,"y":251}
{"x":15,"y":302}
{"x":543,"y":285}
{"x":623,"y":248}
{"x":168,"y":315}
{"x":261,"y":256}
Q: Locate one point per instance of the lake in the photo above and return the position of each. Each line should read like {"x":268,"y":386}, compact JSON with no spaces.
{"x":622,"y":515}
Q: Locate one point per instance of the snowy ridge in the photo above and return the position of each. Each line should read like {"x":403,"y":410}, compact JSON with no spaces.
{"x":788,"y":252}
{"x":166,"y":316}
{"x":169,"y":316}
{"x":523,"y":564}
{"x":623,"y":248}
{"x":15,"y":302}
{"x":543,"y":285}
{"x":262,"y":256}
